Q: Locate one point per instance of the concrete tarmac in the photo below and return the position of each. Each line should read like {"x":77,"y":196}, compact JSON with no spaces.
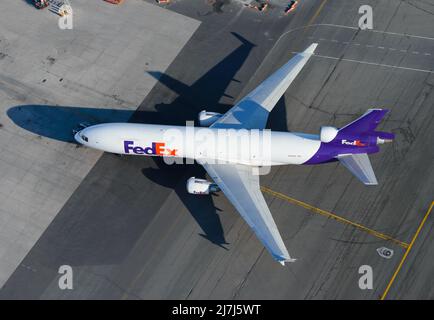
{"x":131,"y":231}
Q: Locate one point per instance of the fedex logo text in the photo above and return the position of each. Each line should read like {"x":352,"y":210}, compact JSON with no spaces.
{"x":356,"y":143}
{"x":157,"y":149}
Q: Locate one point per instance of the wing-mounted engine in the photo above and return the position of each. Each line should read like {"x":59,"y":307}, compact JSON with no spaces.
{"x":207,"y":118}
{"x":201,"y":186}
{"x":327,"y":134}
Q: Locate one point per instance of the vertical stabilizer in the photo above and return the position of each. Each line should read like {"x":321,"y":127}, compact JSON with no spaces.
{"x":365,"y":124}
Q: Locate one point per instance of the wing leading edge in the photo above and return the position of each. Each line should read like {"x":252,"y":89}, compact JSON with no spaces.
{"x":252,"y":111}
{"x":241,"y":187}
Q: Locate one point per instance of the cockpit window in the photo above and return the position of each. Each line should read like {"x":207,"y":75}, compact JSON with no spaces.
{"x":84,"y":138}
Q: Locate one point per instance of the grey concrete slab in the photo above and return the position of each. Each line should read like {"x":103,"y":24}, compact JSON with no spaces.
{"x":43,"y":66}
{"x":130,"y":231}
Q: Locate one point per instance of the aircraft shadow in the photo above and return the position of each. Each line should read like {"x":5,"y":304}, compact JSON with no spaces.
{"x":57,"y":122}
{"x":205,"y":92}
{"x":201,"y":207}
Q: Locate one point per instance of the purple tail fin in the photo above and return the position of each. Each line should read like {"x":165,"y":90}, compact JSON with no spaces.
{"x":356,"y":138}
{"x":366,"y":123}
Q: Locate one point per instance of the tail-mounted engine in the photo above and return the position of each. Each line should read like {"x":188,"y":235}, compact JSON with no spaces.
{"x":201,"y":186}
{"x":327,"y":134}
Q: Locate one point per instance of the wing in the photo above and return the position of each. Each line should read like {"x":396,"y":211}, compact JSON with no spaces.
{"x":360,"y":166}
{"x":241,"y":187}
{"x":252,"y":111}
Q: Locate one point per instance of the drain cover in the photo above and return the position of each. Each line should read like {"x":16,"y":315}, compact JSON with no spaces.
{"x":385,"y":252}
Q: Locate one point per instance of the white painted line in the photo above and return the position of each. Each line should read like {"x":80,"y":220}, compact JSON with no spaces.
{"x":368,"y":45}
{"x":373,"y":63}
{"x":427,"y":54}
{"x":377,"y":31}
{"x":348,"y":27}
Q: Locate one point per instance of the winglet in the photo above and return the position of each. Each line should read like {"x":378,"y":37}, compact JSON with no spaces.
{"x":311,"y":48}
{"x":282,"y":262}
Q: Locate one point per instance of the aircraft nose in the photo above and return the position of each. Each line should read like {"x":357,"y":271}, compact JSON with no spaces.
{"x":81,"y":137}
{"x":77,"y":137}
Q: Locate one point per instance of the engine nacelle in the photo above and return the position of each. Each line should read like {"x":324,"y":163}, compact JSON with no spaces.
{"x":201,"y":186}
{"x":207,"y":118}
{"x":328,"y":134}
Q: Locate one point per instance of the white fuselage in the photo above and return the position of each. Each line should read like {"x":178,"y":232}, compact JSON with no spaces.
{"x":250,"y":147}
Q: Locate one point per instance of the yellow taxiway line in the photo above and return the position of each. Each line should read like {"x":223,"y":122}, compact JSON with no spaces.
{"x":389,"y":285}
{"x":334,"y":216}
{"x":318,"y":11}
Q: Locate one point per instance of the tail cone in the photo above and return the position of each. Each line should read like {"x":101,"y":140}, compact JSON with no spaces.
{"x":381,"y":141}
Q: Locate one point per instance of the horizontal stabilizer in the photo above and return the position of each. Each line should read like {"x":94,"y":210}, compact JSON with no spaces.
{"x":360,"y":166}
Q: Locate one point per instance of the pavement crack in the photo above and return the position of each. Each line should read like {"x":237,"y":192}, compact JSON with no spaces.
{"x":240,"y":287}
{"x":115,"y":284}
{"x":417,"y":7}
{"x":326,"y":81}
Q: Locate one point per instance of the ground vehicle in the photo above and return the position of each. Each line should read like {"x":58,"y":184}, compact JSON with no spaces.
{"x":41,"y":4}
{"x":291,"y":6}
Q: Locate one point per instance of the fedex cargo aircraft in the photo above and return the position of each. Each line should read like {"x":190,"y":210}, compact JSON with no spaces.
{"x":234,"y":170}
